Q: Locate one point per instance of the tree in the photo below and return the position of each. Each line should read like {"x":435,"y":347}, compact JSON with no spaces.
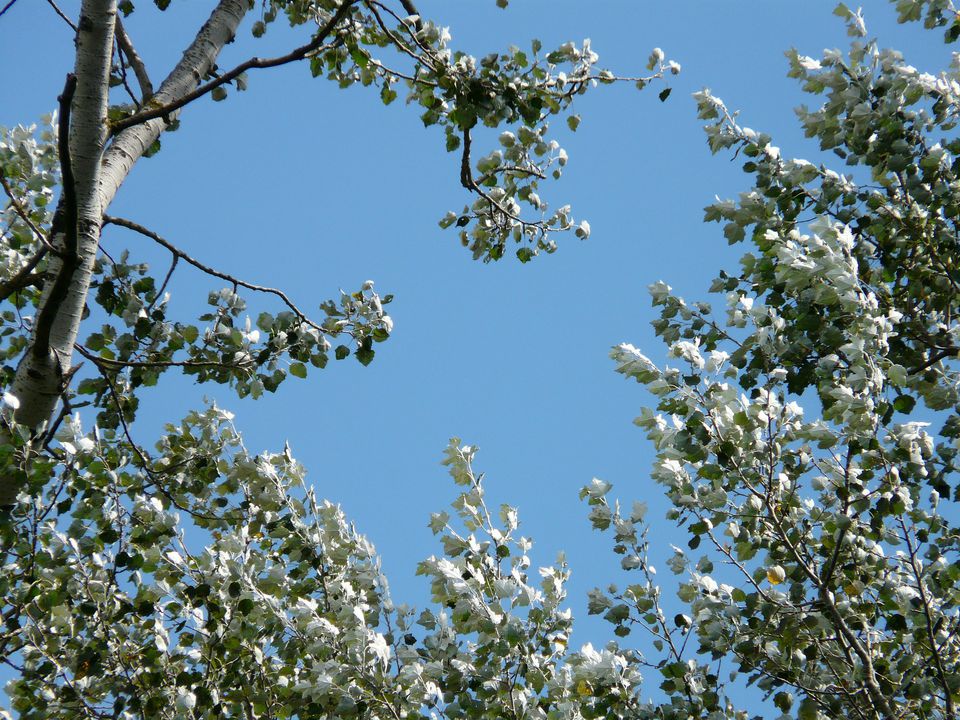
{"x":106,"y":609}
{"x":796,"y":435}
{"x":792,"y":441}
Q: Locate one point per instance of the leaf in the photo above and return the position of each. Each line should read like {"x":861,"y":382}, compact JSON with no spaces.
{"x":776,"y":574}
{"x":525,"y":254}
{"x":298,"y":370}
{"x":360,"y":57}
{"x":664,"y":94}
{"x":365,"y":355}
{"x":904,"y":403}
{"x":153,"y":149}
{"x":388,"y":94}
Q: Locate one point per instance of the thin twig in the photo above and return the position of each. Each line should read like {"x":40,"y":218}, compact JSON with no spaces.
{"x":925,"y":603}
{"x":122,"y":63}
{"x":102,"y":362}
{"x":166,"y":281}
{"x":130,"y":225}
{"x":427,"y":58}
{"x":253,"y":63}
{"x":62,"y":15}
{"x":7,"y":6}
{"x":22,"y":213}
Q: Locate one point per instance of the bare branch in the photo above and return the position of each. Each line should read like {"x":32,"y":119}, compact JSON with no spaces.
{"x":130,"y":52}
{"x":62,"y":15}
{"x":69,"y":256}
{"x":253,"y":63}
{"x":177,"y":252}
{"x":166,"y":281}
{"x":7,"y":7}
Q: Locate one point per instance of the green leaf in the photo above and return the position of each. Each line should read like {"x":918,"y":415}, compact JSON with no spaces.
{"x":153,"y":149}
{"x":664,"y":94}
{"x":387,"y":94}
{"x":904,"y":403}
{"x":360,"y":57}
{"x":365,"y":355}
{"x":298,"y":370}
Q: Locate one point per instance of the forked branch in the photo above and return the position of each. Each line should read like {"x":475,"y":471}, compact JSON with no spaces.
{"x":300,"y":53}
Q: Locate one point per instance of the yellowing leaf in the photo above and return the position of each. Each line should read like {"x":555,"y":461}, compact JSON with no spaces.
{"x":776,"y":574}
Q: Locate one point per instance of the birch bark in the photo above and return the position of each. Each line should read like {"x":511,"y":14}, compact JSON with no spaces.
{"x":99,"y":172}
{"x":198,"y":59}
{"x":40,"y":374}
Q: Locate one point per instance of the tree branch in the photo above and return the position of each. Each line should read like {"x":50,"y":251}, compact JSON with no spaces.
{"x":24,"y":277}
{"x":253,"y":63}
{"x":943,"y":354}
{"x":925,"y":602}
{"x":178,"y":253}
{"x":136,"y":62}
{"x":199,"y":57}
{"x":62,"y":15}
{"x":7,"y":7}
{"x":116,"y":365}
{"x":412,"y":10}
{"x":22,"y":213}
{"x":69,"y":256}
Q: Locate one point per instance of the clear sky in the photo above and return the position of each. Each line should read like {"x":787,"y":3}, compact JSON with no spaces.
{"x":303,"y":186}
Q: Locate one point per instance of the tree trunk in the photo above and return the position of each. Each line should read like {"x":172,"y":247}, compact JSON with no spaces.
{"x":97,"y":176}
{"x":40,"y":375}
{"x":198,"y":59}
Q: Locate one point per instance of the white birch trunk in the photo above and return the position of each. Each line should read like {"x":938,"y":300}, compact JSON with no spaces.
{"x":98,"y":176}
{"x":39,"y":376}
{"x":130,"y":144}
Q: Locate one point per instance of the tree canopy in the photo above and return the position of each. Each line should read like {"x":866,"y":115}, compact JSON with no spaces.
{"x":806,"y":435}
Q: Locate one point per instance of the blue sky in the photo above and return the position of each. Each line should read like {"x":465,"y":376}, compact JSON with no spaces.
{"x":303,"y":186}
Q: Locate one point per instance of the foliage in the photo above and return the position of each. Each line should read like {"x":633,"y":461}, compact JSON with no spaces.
{"x":793,"y":438}
{"x":795,"y":435}
{"x":193,"y":578}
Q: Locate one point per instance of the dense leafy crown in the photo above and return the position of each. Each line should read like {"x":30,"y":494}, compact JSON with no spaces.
{"x":807,"y":440}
